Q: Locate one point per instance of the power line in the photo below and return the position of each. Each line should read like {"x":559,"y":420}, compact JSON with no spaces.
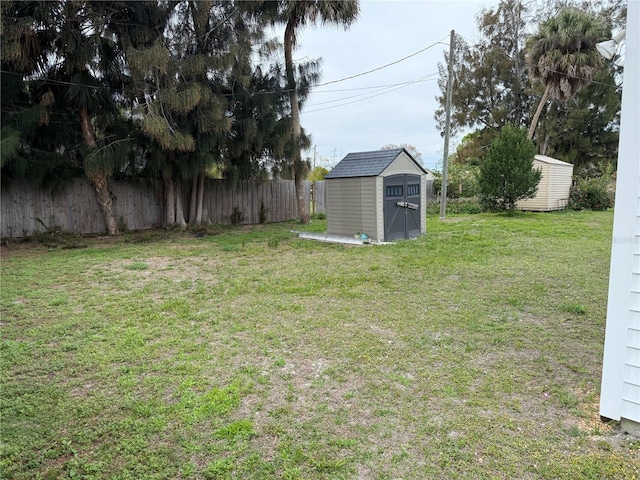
{"x":380,"y":88}
{"x":383,"y":66}
{"x":366,"y":98}
{"x":367,"y":88}
{"x":61,"y":82}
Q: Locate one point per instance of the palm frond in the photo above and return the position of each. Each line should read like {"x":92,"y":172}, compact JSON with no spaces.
{"x":110,"y":156}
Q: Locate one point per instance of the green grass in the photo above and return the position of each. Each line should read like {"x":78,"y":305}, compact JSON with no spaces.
{"x":472,"y":352}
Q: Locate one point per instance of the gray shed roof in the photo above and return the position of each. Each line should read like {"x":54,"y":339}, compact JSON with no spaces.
{"x":367,"y":164}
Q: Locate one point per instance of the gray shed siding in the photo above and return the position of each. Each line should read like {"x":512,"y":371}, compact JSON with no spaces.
{"x":350,"y":201}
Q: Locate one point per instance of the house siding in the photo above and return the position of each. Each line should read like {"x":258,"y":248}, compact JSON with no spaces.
{"x":631,"y":371}
{"x":620,"y":390}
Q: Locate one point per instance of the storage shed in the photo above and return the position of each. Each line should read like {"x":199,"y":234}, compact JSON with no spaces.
{"x":554,"y":186}
{"x":379,"y":193}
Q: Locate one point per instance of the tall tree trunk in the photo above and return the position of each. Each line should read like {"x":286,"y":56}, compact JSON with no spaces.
{"x":98,"y":178}
{"x":193,"y":201}
{"x":200,"y":204}
{"x":197,"y":198}
{"x":169,"y":200}
{"x":298,"y":166}
{"x":536,"y":117}
{"x":515,"y":16}
{"x":100,"y":183}
{"x":87,"y":129}
{"x":179,"y":208}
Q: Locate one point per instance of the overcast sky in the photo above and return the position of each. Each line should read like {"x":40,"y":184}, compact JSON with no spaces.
{"x":373,"y":110}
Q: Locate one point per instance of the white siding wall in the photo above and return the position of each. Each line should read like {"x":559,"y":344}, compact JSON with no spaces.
{"x":620,"y":391}
{"x":539,"y":203}
{"x":554,"y":188}
{"x":560,"y":179}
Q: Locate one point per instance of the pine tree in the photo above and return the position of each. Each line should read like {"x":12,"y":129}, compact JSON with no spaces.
{"x":506,"y":172}
{"x":490,"y":77}
{"x":184,"y":85}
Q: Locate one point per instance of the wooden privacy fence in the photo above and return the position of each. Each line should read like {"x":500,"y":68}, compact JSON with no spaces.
{"x":27,"y":209}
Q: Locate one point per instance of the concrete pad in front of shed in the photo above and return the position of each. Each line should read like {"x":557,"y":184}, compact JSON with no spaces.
{"x":323,"y":237}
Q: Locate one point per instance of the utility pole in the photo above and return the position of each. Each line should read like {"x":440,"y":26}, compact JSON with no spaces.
{"x":314,"y":156}
{"x":447,"y":130}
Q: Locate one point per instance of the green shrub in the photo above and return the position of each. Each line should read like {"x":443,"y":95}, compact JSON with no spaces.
{"x":462,"y":181}
{"x":506,"y":172}
{"x":591,"y":193}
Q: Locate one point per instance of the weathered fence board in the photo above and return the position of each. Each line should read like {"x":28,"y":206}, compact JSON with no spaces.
{"x":27,"y":209}
{"x":430,"y":191}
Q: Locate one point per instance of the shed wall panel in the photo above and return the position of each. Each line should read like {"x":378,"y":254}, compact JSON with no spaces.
{"x":351,"y":206}
{"x":560,"y":180}
{"x":423,"y":202}
{"x":554,"y":187}
{"x":368,"y":206}
{"x":540,"y":201}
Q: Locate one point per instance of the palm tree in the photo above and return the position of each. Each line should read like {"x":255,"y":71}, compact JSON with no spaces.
{"x":563,"y":55}
{"x":297,"y":14}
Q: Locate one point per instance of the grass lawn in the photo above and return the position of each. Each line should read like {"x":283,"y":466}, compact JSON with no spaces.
{"x":472,"y":352}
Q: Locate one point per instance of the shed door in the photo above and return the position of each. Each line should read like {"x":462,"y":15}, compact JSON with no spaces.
{"x":402,"y":209}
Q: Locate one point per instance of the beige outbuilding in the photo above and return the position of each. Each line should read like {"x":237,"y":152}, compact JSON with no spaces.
{"x":554,"y":187}
{"x":380,"y":194}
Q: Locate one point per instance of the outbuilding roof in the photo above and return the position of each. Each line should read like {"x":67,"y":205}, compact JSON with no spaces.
{"x":367,"y":164}
{"x":550,"y":160}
